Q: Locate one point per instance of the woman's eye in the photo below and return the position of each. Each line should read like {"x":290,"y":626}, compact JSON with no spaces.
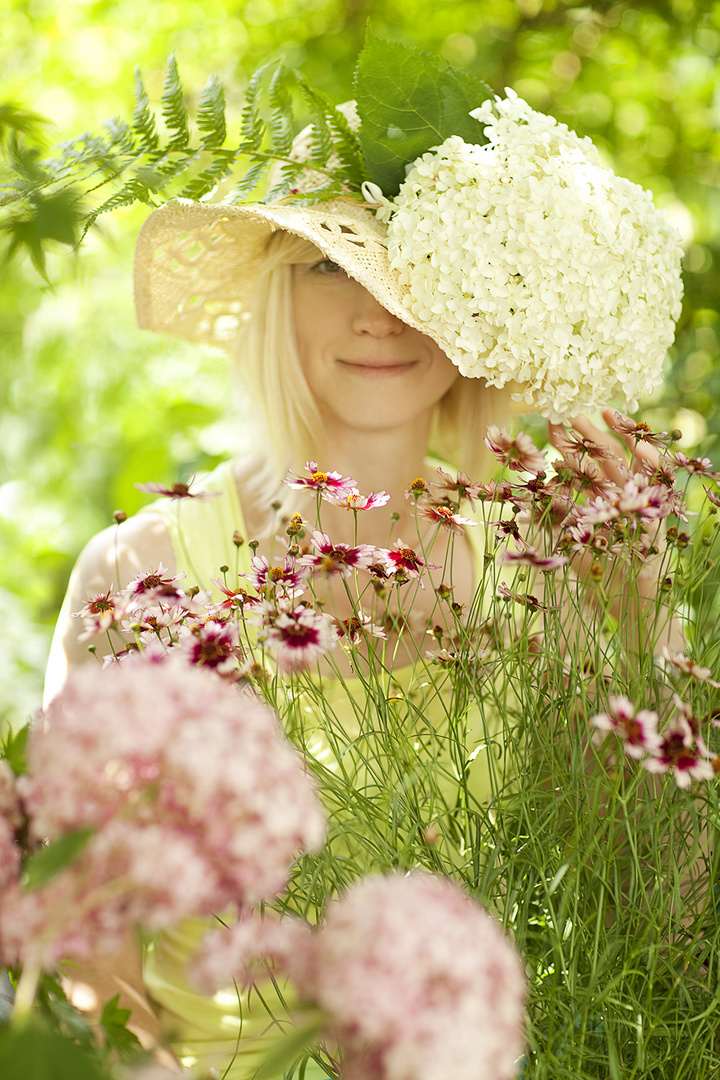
{"x":328,"y":267}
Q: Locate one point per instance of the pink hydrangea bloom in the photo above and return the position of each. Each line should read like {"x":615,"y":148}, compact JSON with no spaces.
{"x":197,"y":800}
{"x":418,"y":981}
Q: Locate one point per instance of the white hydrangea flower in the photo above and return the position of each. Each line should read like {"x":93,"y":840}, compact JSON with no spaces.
{"x":530,"y":262}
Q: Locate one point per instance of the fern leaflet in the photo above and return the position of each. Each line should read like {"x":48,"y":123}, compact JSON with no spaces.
{"x":173,"y":107}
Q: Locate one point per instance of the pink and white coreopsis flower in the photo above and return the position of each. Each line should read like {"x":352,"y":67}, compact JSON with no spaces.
{"x":688,"y":667}
{"x":332,"y":486}
{"x":337,"y":558}
{"x":697,"y":466}
{"x":298,"y":637}
{"x":462,"y":486}
{"x":681,"y":752}
{"x":287,"y":579}
{"x":444,"y":516}
{"x":177,"y":491}
{"x":212,"y":644}
{"x":404,"y":562}
{"x":529,"y":556}
{"x":152,"y":580}
{"x":103,"y":612}
{"x":638,"y":730}
{"x":418,"y":980}
{"x":194,"y":799}
{"x":519,"y":453}
{"x":356,"y":501}
{"x":359,"y":626}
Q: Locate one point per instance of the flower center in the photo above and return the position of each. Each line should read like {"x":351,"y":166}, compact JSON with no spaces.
{"x":319,"y":478}
{"x":276,"y":573}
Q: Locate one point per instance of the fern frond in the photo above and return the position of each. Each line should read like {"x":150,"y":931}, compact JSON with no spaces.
{"x":211,"y":114}
{"x":131,"y":192}
{"x":289,"y":174}
{"x":119,"y":136}
{"x":143,"y":121}
{"x":205,"y":181}
{"x":173,"y":107}
{"x":250,"y":180}
{"x":252,"y":126}
{"x":344,"y":142}
{"x":282,"y":120}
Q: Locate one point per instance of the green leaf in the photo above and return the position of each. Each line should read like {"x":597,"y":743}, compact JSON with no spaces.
{"x":50,"y":860}
{"x":287,"y":1049}
{"x":410,"y":101}
{"x":14,"y":119}
{"x":113,"y":1022}
{"x":173,"y":107}
{"x":32,"y":1052}
{"x":14,"y":749}
{"x":51,"y":217}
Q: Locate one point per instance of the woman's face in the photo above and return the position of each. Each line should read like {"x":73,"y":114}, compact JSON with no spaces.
{"x":366,"y":368}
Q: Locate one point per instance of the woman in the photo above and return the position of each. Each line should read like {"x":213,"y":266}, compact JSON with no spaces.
{"x":336,"y":356}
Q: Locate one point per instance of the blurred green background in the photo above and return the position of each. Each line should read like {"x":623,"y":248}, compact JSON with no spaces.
{"x":90,"y":405}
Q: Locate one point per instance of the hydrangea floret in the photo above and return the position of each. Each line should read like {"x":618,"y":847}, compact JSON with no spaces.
{"x":532,"y":263}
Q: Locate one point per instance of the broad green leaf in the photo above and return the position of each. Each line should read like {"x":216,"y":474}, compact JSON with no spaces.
{"x":50,"y":860}
{"x":113,"y":1021}
{"x":32,"y":1052}
{"x":14,"y":749}
{"x":410,"y":101}
{"x":51,"y":217}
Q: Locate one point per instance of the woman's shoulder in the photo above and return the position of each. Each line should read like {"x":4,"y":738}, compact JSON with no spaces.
{"x":115,"y":555}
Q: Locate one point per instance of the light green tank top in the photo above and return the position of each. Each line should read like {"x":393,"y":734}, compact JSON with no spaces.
{"x":328,"y":719}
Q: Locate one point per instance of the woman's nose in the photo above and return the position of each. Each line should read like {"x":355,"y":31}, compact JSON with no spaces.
{"x":372,"y":318}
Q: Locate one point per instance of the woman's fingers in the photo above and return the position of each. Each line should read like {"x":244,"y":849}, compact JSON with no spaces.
{"x":645,"y":457}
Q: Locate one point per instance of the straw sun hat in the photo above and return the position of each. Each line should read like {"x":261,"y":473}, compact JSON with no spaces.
{"x":196,"y":263}
{"x":523,"y":257}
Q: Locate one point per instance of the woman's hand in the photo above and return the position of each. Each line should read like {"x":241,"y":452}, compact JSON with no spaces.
{"x":616,"y":466}
{"x":615,"y":458}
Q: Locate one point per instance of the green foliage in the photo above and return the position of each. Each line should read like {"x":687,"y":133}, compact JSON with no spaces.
{"x":117,"y":1038}
{"x":408,"y":102}
{"x":13,"y":750}
{"x":35,"y":1052}
{"x":54,"y":857}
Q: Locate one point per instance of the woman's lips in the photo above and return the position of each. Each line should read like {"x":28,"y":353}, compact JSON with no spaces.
{"x":378,"y":369}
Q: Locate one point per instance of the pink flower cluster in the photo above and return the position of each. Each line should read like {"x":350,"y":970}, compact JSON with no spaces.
{"x":679,"y":749}
{"x":195,"y":799}
{"x":416,"y":980}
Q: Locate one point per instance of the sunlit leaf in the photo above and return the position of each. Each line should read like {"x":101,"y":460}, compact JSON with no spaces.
{"x":410,"y":101}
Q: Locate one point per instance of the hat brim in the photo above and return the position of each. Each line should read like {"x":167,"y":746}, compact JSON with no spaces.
{"x":196,"y":264}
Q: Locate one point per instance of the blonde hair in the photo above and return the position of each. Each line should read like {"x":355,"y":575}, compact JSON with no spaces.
{"x":269,"y":365}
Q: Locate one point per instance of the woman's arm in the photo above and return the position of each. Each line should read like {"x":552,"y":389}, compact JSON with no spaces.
{"x":109,"y":561}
